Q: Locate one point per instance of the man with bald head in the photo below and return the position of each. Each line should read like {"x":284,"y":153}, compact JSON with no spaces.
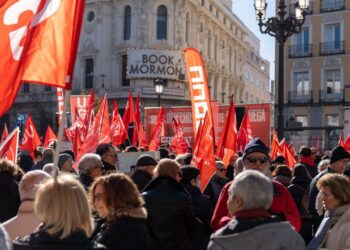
{"x":25,"y":222}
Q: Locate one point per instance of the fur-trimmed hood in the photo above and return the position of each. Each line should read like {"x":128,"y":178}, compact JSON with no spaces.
{"x":136,"y":213}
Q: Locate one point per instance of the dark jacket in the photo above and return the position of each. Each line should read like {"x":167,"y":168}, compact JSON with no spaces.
{"x":40,"y":164}
{"x":141,"y":178}
{"x":128,"y":232}
{"x":41,"y":240}
{"x":310,"y":165}
{"x":298,"y":187}
{"x":214,"y":187}
{"x":86,"y":181}
{"x":108,"y":167}
{"x":9,"y":196}
{"x":26,"y":162}
{"x":171,"y":220}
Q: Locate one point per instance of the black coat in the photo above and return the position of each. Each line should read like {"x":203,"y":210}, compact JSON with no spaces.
{"x":298,"y":187}
{"x":108,"y":167}
{"x":141,"y":178}
{"x":171,"y":220}
{"x":86,"y":181}
{"x":214,"y":187}
{"x":41,"y":240}
{"x":9,"y":196}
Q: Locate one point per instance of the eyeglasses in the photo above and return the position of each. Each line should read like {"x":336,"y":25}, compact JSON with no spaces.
{"x":254,"y":160}
{"x":221,"y":170}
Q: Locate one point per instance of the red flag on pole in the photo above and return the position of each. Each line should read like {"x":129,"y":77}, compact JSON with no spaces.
{"x":89,"y":114}
{"x":135,"y":136}
{"x":341,"y":142}
{"x":142,"y":137}
{"x":157,"y":132}
{"x":31,"y":138}
{"x":39,"y":43}
{"x":5,"y":133}
{"x":118,"y":132}
{"x":77,"y":142}
{"x":49,"y":137}
{"x":179,"y":143}
{"x":290,"y":160}
{"x":245,"y":133}
{"x":347,"y":144}
{"x":275,"y":147}
{"x":129,"y":115}
{"x":227,"y":143}
{"x":105,"y":131}
{"x":9,"y":147}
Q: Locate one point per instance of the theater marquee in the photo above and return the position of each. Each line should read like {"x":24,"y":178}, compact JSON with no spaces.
{"x":163,"y":64}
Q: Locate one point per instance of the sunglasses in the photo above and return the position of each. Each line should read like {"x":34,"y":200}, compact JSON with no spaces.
{"x":254,"y":160}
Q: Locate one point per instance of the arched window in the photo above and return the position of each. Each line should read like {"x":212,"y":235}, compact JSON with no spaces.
{"x":127,"y":23}
{"x":187,"y":28}
{"x":162,"y":21}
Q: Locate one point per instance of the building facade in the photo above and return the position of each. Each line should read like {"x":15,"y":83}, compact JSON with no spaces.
{"x":317,"y":75}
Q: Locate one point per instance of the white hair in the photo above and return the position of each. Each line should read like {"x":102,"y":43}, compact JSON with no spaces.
{"x":322,"y":165}
{"x":30,"y":183}
{"x":254,"y":189}
{"x":87,"y":162}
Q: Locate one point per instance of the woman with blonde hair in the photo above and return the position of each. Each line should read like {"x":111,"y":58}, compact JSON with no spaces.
{"x":62,"y":207}
{"x":334,"y":230}
{"x":117,"y":200}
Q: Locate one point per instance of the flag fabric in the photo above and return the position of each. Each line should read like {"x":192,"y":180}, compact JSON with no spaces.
{"x":275,"y":147}
{"x":129,"y":115}
{"x":203,"y":155}
{"x":196,"y":143}
{"x":142,"y":136}
{"x":118,"y":132}
{"x":9,"y":147}
{"x":77,"y":124}
{"x":135,"y":136}
{"x":77,"y":142}
{"x":89,"y":114}
{"x":198,"y":82}
{"x":347,"y":144}
{"x":5,"y":133}
{"x":38,"y":44}
{"x":31,"y":138}
{"x":341,"y":142}
{"x":179,"y":144}
{"x":290,"y":160}
{"x":228,"y":140}
{"x":105,"y":131}
{"x":49,"y":137}
{"x":291,"y":149}
{"x":157,"y":132}
{"x":245,"y":133}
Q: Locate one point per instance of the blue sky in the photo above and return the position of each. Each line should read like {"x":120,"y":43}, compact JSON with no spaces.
{"x":244,"y":9}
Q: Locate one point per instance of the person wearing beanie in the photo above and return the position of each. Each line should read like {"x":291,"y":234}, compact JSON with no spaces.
{"x":163,"y":153}
{"x":256,"y":157}
{"x":339,"y":158}
{"x":65,"y":163}
{"x":306,"y":158}
{"x":144,"y":171}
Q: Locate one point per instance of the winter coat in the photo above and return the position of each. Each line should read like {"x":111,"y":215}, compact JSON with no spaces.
{"x":24,"y":223}
{"x":171,"y":220}
{"x":108,"y":167}
{"x":284,"y":180}
{"x":9,"y":196}
{"x":26,"y":162}
{"x":214,"y":187}
{"x":256,"y":232}
{"x":41,"y":240}
{"x":141,"y":178}
{"x":86,"y":181}
{"x":282,"y":205}
{"x":310,"y":165}
{"x":5,"y":241}
{"x":127,"y":232}
{"x":40,"y":164}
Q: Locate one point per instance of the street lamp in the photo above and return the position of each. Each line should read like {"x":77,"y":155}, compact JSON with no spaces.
{"x":281,"y":27}
{"x":159,"y":86}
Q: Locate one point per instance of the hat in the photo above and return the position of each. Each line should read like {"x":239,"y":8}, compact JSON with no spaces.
{"x":305,"y":151}
{"x":338,"y":153}
{"x":255,"y":145}
{"x":163,"y":153}
{"x":188,"y":173}
{"x":280,"y":159}
{"x":145,"y":160}
{"x":62,"y":158}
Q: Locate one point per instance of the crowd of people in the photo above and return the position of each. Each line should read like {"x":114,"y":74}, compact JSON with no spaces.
{"x":254,"y":202}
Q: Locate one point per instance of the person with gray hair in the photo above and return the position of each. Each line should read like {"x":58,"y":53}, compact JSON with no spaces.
{"x":90,"y":167}
{"x":51,"y":170}
{"x":25,"y":222}
{"x":250,"y":196}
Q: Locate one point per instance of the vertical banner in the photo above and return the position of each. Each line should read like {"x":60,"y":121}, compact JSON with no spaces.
{"x":198,"y":81}
{"x":60,"y":99}
{"x":78,"y":103}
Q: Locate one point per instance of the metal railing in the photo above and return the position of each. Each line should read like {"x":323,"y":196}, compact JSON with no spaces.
{"x":332,"y":5}
{"x":331,"y":48}
{"x":302,"y":50}
{"x":300,"y":96}
{"x":331,"y":95}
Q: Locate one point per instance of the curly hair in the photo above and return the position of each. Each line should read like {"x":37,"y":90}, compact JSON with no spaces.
{"x":9,"y":166}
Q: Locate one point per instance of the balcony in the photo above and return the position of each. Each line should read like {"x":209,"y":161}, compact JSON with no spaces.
{"x":308,"y":11}
{"x":300,"y":97}
{"x":332,"y":48}
{"x":332,"y":5}
{"x":303,"y":50}
{"x":332,"y":95}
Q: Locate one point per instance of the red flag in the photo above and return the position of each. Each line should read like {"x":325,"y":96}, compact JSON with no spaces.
{"x":129,"y":115}
{"x":203,"y":157}
{"x":118,"y":132}
{"x":49,"y":137}
{"x":5,"y":133}
{"x":275,"y":147}
{"x":228,"y":140}
{"x":9,"y":147}
{"x":31,"y":138}
{"x":105,"y":131}
{"x":39,"y":43}
{"x":135,"y":136}
{"x":197,"y":141}
{"x":89,"y":114}
{"x":77,"y":142}
{"x":157,"y":132}
{"x":142,"y":137}
{"x":290,"y":160}
{"x":179,"y":143}
{"x":347,"y":144}
{"x":341,"y":142}
{"x":244,"y":133}
{"x":291,"y":149}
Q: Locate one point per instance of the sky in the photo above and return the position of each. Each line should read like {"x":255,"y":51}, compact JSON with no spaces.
{"x":244,"y":9}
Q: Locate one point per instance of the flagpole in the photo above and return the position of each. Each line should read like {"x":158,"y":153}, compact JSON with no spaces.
{"x":60,"y":132}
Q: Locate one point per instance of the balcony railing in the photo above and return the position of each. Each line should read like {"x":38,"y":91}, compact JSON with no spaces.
{"x":300,"y":96}
{"x":332,"y":95}
{"x":303,"y":50}
{"x":332,"y":5}
{"x":308,"y":11}
{"x":331,"y":48}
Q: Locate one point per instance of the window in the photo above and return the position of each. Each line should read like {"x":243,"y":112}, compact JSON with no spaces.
{"x":230,"y":59}
{"x":333,"y":84}
{"x":162,"y":22}
{"x":89,"y":73}
{"x":209,"y":43}
{"x":187,"y":28}
{"x":127,"y":23}
{"x":303,"y":119}
{"x":332,"y":36}
{"x":125,"y":80}
{"x":302,"y":83}
{"x":302,"y":40}
{"x":332,"y":120}
{"x":90,"y":16}
{"x":215,"y":48}
{"x":203,"y":2}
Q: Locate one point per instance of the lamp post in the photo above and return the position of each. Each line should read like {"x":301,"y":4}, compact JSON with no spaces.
{"x":281,"y":27}
{"x":159,"y":86}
